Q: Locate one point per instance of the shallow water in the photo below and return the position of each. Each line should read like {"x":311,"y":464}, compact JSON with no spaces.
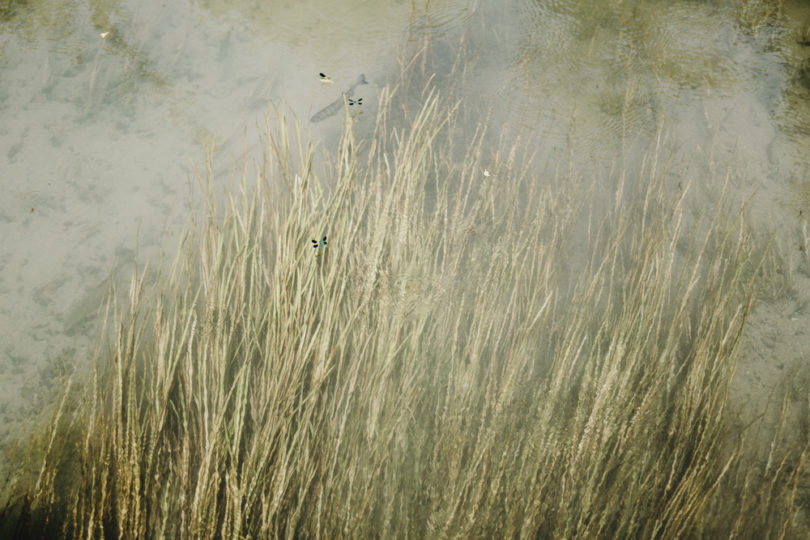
{"x":107,"y":108}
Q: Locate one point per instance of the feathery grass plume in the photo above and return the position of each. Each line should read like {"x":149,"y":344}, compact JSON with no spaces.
{"x":477,"y":356}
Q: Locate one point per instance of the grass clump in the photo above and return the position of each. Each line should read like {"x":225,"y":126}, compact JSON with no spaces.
{"x":499,"y":355}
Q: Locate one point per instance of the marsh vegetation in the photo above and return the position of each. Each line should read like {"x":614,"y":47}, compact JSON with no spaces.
{"x":526,"y":352}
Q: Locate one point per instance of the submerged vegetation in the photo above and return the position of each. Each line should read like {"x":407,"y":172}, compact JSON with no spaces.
{"x":485,"y":350}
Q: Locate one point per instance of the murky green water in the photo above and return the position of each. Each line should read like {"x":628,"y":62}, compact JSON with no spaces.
{"x":107,"y":107}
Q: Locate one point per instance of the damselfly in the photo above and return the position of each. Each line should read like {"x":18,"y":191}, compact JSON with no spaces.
{"x":320,"y":247}
{"x":337,"y":105}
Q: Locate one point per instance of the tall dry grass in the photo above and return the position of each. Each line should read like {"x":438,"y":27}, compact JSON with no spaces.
{"x":519,"y":354}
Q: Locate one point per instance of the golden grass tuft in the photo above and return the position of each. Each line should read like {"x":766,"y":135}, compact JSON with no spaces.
{"x":519,"y":354}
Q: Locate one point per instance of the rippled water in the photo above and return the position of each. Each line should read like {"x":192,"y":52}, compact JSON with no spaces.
{"x":107,"y":108}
